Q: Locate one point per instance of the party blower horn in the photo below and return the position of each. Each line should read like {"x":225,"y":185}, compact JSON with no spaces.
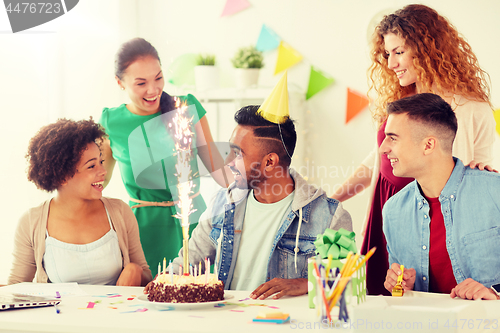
{"x":398,"y":290}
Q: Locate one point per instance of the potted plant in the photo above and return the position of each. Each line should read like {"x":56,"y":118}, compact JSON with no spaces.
{"x":248,"y":61}
{"x":206,"y":75}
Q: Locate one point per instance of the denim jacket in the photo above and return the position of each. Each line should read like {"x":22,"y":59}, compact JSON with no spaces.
{"x":470,"y":203}
{"x":218,"y":233}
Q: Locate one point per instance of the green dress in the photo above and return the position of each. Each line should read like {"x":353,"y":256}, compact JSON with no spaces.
{"x":145,"y":152}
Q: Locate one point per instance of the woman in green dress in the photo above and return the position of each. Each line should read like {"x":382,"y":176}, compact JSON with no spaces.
{"x":142,"y":143}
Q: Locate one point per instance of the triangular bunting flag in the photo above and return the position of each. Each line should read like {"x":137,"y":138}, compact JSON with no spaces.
{"x":287,"y":57}
{"x":356,"y":102}
{"x":275,"y":107}
{"x":268,"y":40}
{"x":234,"y":6}
{"x":496,"y":114}
{"x":318,"y":81}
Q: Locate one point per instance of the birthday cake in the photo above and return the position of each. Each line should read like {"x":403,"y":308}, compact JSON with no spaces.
{"x":186,"y":289}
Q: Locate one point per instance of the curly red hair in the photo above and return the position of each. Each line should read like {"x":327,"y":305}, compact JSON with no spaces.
{"x":443,"y":60}
{"x":54,"y":152}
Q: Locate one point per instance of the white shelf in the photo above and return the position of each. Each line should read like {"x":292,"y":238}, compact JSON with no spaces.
{"x":233,"y":94}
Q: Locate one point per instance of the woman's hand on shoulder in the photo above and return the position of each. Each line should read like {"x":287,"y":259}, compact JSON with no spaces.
{"x":481,"y":166}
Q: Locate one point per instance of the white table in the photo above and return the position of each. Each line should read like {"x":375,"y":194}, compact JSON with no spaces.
{"x":114,"y":314}
{"x":74,"y":317}
{"x":418,"y":312}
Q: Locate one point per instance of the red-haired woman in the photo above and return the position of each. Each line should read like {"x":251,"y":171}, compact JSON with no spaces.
{"x":416,"y":50}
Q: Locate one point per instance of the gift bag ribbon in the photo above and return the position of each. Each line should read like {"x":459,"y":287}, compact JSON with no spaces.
{"x":337,"y":243}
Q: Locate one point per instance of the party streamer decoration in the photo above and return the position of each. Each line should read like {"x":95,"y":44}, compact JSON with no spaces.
{"x":268,"y":39}
{"x":287,"y":57}
{"x":356,"y":102}
{"x":234,"y":6}
{"x":318,"y":81}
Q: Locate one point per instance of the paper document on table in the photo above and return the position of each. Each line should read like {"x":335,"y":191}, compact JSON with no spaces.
{"x":44,"y":289}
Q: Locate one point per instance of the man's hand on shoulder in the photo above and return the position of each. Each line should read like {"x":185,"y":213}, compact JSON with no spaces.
{"x":471,"y":289}
{"x":280,"y":288}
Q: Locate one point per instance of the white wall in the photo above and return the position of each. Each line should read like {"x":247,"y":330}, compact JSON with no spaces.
{"x":65,"y":69}
{"x":331,"y":35}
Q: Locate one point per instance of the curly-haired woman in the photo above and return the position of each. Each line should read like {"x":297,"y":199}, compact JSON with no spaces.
{"x":416,"y":50}
{"x":78,"y":235}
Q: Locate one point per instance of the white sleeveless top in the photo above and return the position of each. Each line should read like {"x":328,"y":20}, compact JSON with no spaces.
{"x":99,"y":262}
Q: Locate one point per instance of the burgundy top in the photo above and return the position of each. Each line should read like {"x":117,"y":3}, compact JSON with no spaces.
{"x":387,"y":185}
{"x":441,"y":278}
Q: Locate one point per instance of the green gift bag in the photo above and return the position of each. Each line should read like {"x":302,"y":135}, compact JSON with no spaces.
{"x":337,"y":244}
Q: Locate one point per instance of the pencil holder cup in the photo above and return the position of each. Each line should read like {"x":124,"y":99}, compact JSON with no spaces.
{"x":320,"y":298}
{"x":356,"y":287}
{"x":331,"y":309}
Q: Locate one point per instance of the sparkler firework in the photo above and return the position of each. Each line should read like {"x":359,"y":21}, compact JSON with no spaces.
{"x":183,"y":137}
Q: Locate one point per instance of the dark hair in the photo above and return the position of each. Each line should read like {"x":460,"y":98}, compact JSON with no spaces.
{"x":131,"y":51}
{"x":431,"y":111}
{"x":54,"y":152}
{"x":442,"y":58}
{"x":263,"y":128}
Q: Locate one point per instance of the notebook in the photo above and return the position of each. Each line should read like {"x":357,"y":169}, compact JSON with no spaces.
{"x":16,"y":301}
